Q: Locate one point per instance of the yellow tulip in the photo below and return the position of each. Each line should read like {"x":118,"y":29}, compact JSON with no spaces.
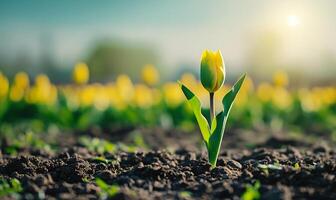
{"x":150,"y":75}
{"x":265,"y":92}
{"x":21,"y":80}
{"x":172,"y":95}
{"x":212,"y":70}
{"x":16,"y":93}
{"x":189,"y":80}
{"x":281,"y":98}
{"x":125,"y":88}
{"x":280,"y":79}
{"x":143,"y":97}
{"x":81,"y":73}
{"x":4,"y":86}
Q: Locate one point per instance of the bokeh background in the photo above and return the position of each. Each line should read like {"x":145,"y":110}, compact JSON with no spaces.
{"x":83,"y":82}
{"x":113,"y":37}
{"x":110,"y":69}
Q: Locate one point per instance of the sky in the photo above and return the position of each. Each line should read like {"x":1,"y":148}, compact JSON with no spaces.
{"x":178,"y":29}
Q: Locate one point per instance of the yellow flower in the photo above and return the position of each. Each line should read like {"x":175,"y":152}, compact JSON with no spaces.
{"x":4,"y":86}
{"x":21,"y":80}
{"x":280,"y":79}
{"x":265,"y":92}
{"x":86,"y":95}
{"x":42,"y":80}
{"x":116,"y":100}
{"x":125,"y":88}
{"x":143,"y":97}
{"x":16,"y":93}
{"x":43,"y":92}
{"x":101,"y":98}
{"x":281,"y":98}
{"x":150,"y":75}
{"x":247,"y":86}
{"x":189,"y":80}
{"x":81,"y":73}
{"x":172,"y":95}
{"x":243,"y":95}
{"x":212,"y":70}
{"x":19,"y":87}
{"x":307,"y":100}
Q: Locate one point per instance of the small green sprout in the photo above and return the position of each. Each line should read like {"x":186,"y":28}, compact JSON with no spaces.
{"x":10,"y":187}
{"x":86,"y":180}
{"x":107,"y":191}
{"x":275,"y":166}
{"x":212,"y":78}
{"x":28,"y":139}
{"x":252,"y":192}
{"x":297,"y":166}
{"x":185,"y":194}
{"x":97,"y":145}
{"x":265,"y":168}
{"x":101,"y":159}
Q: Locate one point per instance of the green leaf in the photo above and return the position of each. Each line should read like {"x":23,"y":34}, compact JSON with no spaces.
{"x":216,"y":137}
{"x":195,"y":104}
{"x":107,"y":190}
{"x":252,"y":192}
{"x":9,"y":187}
{"x":215,"y":140}
{"x":231,"y":95}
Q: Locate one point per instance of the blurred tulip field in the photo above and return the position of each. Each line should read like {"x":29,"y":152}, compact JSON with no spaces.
{"x":173,"y":100}
{"x":41,"y":106}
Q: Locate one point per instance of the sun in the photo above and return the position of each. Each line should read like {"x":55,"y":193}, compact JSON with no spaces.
{"x":293,"y":21}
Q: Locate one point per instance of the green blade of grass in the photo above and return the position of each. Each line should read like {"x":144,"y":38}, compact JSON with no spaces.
{"x":195,"y":104}
{"x":216,"y":137}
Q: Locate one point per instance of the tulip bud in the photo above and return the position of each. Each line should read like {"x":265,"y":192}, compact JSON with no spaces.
{"x":212,"y":70}
{"x":81,"y":73}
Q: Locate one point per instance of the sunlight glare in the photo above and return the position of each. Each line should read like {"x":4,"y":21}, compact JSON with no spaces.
{"x":293,"y":21}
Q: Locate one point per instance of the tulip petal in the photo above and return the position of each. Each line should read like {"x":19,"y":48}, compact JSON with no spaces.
{"x":212,"y":70}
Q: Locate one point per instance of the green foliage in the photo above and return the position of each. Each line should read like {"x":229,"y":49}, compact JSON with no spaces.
{"x":213,"y":135}
{"x":275,"y":166}
{"x":98,"y":145}
{"x":28,"y":139}
{"x":138,"y":140}
{"x":102,"y":146}
{"x":185,"y":194}
{"x":101,"y":159}
{"x":10,"y":187}
{"x":106,"y":189}
{"x":195,"y":103}
{"x":296,"y":166}
{"x":266,"y":168}
{"x":252,"y":192}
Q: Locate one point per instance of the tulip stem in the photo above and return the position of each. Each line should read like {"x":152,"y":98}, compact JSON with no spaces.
{"x":212,"y":106}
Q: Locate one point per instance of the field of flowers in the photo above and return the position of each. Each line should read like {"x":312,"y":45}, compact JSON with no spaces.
{"x":41,"y":105}
{"x":95,"y":140}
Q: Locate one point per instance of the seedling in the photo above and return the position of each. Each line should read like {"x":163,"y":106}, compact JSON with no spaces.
{"x":98,"y":145}
{"x":10,"y":187}
{"x":101,"y":159}
{"x":212,"y":78}
{"x":107,"y":191}
{"x":185,"y":194}
{"x":252,"y":192}
{"x":296,"y":166}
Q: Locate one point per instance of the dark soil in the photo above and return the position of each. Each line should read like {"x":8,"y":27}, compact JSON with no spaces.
{"x":158,"y":138}
{"x":286,"y":172}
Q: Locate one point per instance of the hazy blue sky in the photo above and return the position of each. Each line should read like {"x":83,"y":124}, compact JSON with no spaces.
{"x":179,"y":29}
